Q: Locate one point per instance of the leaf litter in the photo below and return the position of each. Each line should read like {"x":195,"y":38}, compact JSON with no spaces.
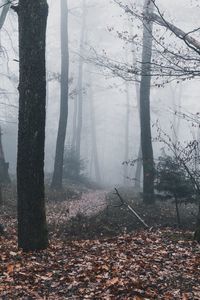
{"x":145,"y":264}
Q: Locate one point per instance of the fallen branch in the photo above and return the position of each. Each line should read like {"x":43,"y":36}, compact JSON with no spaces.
{"x":130,"y":208}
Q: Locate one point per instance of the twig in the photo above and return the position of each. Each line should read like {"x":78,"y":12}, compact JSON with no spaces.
{"x":130,"y":208}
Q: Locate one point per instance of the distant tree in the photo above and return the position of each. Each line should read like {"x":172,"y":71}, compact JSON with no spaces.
{"x":73,"y":166}
{"x":64,"y":84}
{"x":4,"y":6}
{"x":4,"y":175}
{"x":145,"y":86}
{"x":95,"y":153}
{"x":127,"y":124}
{"x":79,"y":121}
{"x":32,"y":228}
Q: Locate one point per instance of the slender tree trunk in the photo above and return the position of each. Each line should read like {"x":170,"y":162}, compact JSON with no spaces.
{"x":177,"y":211}
{"x":1,"y":196}
{"x":32,"y":229}
{"x":94,"y":137}
{"x":138,"y":171}
{"x":4,"y":175}
{"x":197,"y":231}
{"x":6,"y":6}
{"x":126,"y":153}
{"x":176,"y":95}
{"x":73,"y":145}
{"x":80,"y":85}
{"x":60,"y":144}
{"x":145,"y":85}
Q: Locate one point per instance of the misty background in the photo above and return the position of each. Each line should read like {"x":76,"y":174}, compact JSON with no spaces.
{"x":105,"y":20}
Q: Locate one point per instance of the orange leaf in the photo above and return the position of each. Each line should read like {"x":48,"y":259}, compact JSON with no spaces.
{"x":112,"y":281}
{"x":10,"y":268}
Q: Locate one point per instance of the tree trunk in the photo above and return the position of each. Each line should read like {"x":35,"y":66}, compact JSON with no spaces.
{"x":6,"y":6}
{"x":4,"y":175}
{"x":32,"y":228}
{"x":60,"y":144}
{"x":80,"y":85}
{"x":126,"y":153}
{"x":73,"y":144}
{"x":177,"y":210}
{"x":145,"y":85}
{"x":94,"y":155}
{"x":138,"y":171}
{"x":197,"y":231}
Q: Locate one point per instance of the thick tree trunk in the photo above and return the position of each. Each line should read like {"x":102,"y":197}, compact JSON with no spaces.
{"x":60,"y":144}
{"x":145,"y":85}
{"x":32,"y":229}
{"x":80,"y":85}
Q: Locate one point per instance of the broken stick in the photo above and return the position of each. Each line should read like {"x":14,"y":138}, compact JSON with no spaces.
{"x":130,"y":208}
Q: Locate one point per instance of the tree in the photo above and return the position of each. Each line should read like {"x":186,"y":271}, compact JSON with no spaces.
{"x":32,"y":228}
{"x":5,"y":5}
{"x":80,"y":85}
{"x":60,"y":144}
{"x":95,"y":154}
{"x":4,"y":175}
{"x":145,"y":85}
{"x":126,"y":152}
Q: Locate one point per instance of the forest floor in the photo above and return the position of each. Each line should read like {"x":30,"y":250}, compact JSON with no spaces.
{"x":156,"y":263}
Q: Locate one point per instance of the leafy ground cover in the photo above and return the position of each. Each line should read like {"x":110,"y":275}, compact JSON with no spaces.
{"x":157,"y":263}
{"x":144,"y":265}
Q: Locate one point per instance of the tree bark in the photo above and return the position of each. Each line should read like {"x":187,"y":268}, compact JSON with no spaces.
{"x":60,"y":144}
{"x":80,"y":85}
{"x":197,"y":231}
{"x":145,"y":85}
{"x":138,"y":170}
{"x":73,"y":144}
{"x":4,"y":175}
{"x":94,"y":155}
{"x":5,"y":10}
{"x":32,"y":228}
{"x":126,"y":152}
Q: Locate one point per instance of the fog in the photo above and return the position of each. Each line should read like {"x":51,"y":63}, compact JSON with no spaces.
{"x":105,"y":22}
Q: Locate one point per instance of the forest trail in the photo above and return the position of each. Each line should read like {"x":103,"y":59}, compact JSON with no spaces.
{"x":90,"y":203}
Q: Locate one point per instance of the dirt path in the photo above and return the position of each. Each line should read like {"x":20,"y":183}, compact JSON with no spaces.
{"x":89,"y":204}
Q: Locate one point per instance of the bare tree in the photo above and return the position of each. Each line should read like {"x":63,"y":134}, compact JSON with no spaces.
{"x":5,"y":5}
{"x":127,"y":124}
{"x":64,"y":84}
{"x":94,"y":156}
{"x":80,"y":84}
{"x":145,"y":86}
